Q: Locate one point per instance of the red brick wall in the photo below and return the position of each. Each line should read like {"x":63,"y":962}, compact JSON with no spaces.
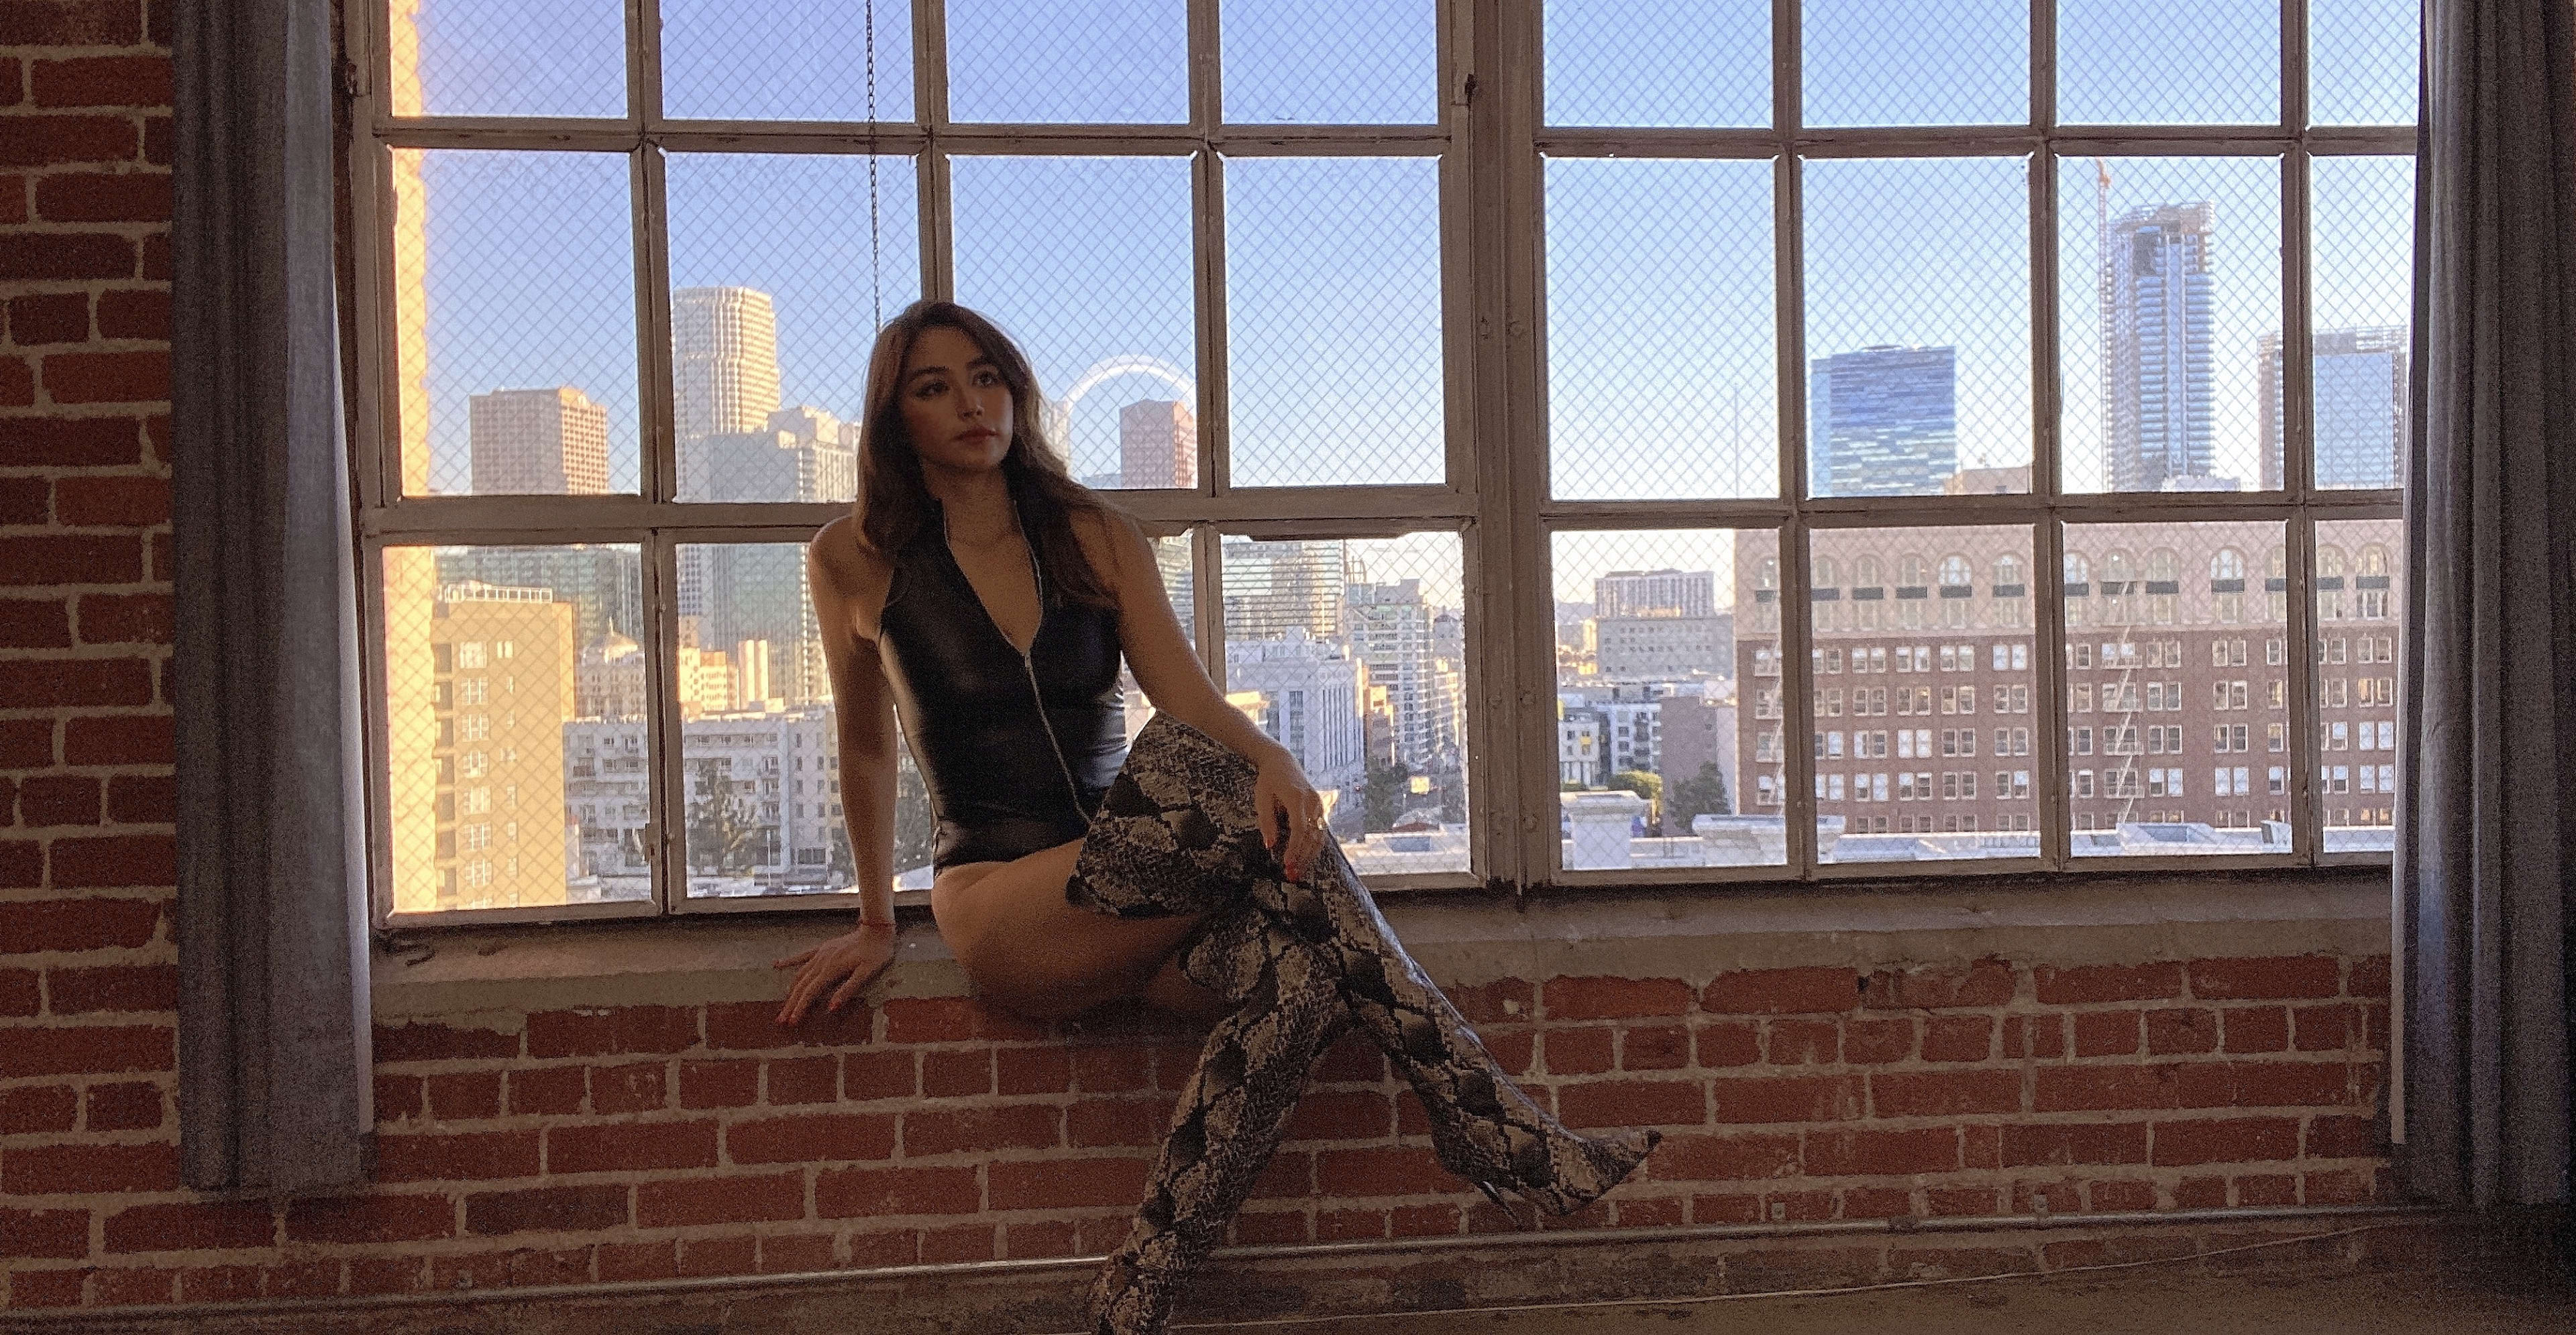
{"x":689,"y":1139}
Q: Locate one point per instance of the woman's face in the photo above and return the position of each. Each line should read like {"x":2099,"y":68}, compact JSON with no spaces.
{"x":956,"y":406}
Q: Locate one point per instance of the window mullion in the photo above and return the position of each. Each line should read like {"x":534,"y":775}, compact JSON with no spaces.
{"x":2047,"y":476}
{"x":665,"y":833}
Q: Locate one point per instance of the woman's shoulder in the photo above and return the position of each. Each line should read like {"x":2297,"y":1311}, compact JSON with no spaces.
{"x":848,"y":573}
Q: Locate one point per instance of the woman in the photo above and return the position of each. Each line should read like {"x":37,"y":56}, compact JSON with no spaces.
{"x":986,"y":599}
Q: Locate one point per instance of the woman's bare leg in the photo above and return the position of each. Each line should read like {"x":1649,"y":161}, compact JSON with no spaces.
{"x":1031,"y":952}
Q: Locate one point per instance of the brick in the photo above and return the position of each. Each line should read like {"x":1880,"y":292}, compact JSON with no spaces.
{"x":1875,"y":1203}
{"x":1726,"y":1209}
{"x":48,"y":141}
{"x":1958,"y":1038}
{"x":2095,"y":983}
{"x":382,"y":1217}
{"x":33,"y":1108}
{"x":2278,"y":977}
{"x":1953,"y":1202}
{"x":612,"y":1030}
{"x":2324,"y":1028}
{"x":1657,"y":1047}
{"x":1093,"y":1123}
{"x":398,"y":1098}
{"x":2099,"y":1088}
{"x":511,"y":1268}
{"x":893,"y":1246}
{"x":122,"y":1286}
{"x":29,"y":1234}
{"x":1633,"y":1103}
{"x":2341,"y":1186}
{"x":2028,"y":1036}
{"x":547,"y":1210}
{"x":58,"y":799}
{"x":795,"y":1253}
{"x":1342,"y":1115}
{"x":468,"y":1157}
{"x":224,"y":1283}
{"x":1943,"y":1093}
{"x":53,"y":317}
{"x":2287,"y":1084}
{"x":107,"y":377}
{"x":464,"y":1095}
{"x":70,"y":23}
{"x":22,"y":866}
{"x":983,"y":1130}
{"x":192,"y":1228}
{"x":551,"y":1090}
{"x":1802,"y":1267}
{"x":1349,"y":1225}
{"x":47,"y":1170}
{"x":804,"y":1139}
{"x":156,"y":267}
{"x":2106,"y":1033}
{"x":69,"y":442}
{"x":1502,"y":1001}
{"x":124,"y":1107}
{"x":142,"y":799}
{"x":70,"y":558}
{"x":122,"y":987}
{"x":1800,"y":1042}
{"x":2119,"y":1195}
{"x":1985,"y":983}
{"x":1812,"y":991}
{"x":2267,"y":1189}
{"x":843,"y":1193}
{"x":2369,"y":979}
{"x":1381,"y":1171}
{"x":720,"y":1084}
{"x":633,"y":1088}
{"x":114,"y":861}
{"x":953,"y":1020}
{"x":2200,"y":1193}
{"x":13,"y":199}
{"x":1586,"y":1051}
{"x":134,"y":313}
{"x":1611,"y":998}
{"x":124,"y":502}
{"x":2028,"y":1144}
{"x":1787,"y":1099}
{"x":89,"y":1050}
{"x":17,"y":374}
{"x":794,"y":1080}
{"x":1848,"y":1153}
{"x":119,"y":739}
{"x":629,"y":1146}
{"x":1114,"y":1070}
{"x":1058,"y":1184}
{"x":1254,"y":1228}
{"x":1033,"y":1070}
{"x":102,"y":81}
{"x":951,"y":1074}
{"x":964,"y":1242}
{"x":753,"y":1026}
{"x":2342,"y":1138}
{"x":868,"y":1075}
{"x":385,"y":1274}
{"x":20,"y":993}
{"x":1981,"y":1145}
{"x":1878,"y":1040}
{"x":1048,"y":1238}
{"x":47,"y":1288}
{"x":27,"y":501}
{"x":425,"y":1041}
{"x":2254,"y":1029}
{"x":102,"y":197}
{"x":638,"y":1260}
{"x":2224,"y":1140}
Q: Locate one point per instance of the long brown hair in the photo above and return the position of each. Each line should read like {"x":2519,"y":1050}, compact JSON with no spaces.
{"x":894,"y":504}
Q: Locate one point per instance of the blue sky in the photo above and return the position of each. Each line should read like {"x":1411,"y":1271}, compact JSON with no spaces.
{"x":1662,"y":376}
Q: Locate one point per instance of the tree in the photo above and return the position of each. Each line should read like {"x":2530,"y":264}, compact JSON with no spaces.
{"x":1647,"y":786}
{"x":1702,"y":794}
{"x":1383,"y":794}
{"x":725,"y":838}
{"x":916,"y":828}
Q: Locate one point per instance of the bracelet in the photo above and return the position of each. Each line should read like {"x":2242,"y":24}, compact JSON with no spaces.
{"x":866,"y":921}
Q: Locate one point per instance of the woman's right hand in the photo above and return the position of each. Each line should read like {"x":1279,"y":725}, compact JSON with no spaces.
{"x":851,"y":961}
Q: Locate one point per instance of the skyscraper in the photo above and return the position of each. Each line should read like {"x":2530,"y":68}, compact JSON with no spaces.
{"x":1644,"y":593}
{"x":2359,"y":384}
{"x":545,"y":442}
{"x":1158,"y":445}
{"x":2154,"y":289}
{"x":724,"y":361}
{"x":1882,"y":421}
{"x":1273,"y":585}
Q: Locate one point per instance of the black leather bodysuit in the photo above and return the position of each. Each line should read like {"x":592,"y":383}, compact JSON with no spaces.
{"x":1015,"y":750}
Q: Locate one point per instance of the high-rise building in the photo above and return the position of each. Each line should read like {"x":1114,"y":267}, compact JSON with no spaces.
{"x":1310,"y":693}
{"x":501,"y":681}
{"x":1271,"y":586}
{"x":540,"y":442}
{"x":800,"y":453}
{"x":1158,"y":445}
{"x":1882,"y":421}
{"x":724,"y":361}
{"x":603,"y":583}
{"x":2154,"y":290}
{"x":1645,"y":593}
{"x":1391,"y":631}
{"x":2359,"y":387}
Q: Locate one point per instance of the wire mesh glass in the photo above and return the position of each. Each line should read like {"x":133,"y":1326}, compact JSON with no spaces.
{"x":1658,"y":62}
{"x":2361,"y":284}
{"x":1649,"y":691}
{"x":1932,"y":62}
{"x":1351,"y":653}
{"x":2169,"y":280}
{"x":2168,"y":62}
{"x":2360,"y":593}
{"x":492,"y":58}
{"x":1335,"y":374}
{"x":758,"y":749}
{"x":1086,"y":262}
{"x":1922,"y":694}
{"x":776,"y":292}
{"x":2178,"y":729}
{"x":2362,"y":61}
{"x":1662,"y":350}
{"x":515,"y":698}
{"x":1328,"y":62}
{"x":1176,"y":563}
{"x":1918,"y":326}
{"x":514,"y":322}
{"x":783,"y":60}
{"x":1090,"y":61}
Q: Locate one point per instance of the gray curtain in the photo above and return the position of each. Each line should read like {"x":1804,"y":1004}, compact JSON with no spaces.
{"x":2486,"y":845}
{"x":273,"y":1041}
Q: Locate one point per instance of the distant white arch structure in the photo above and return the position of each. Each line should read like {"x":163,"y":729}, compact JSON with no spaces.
{"x":1108,"y":368}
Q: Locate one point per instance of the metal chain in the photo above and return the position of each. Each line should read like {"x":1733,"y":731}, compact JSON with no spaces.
{"x":876,"y":284}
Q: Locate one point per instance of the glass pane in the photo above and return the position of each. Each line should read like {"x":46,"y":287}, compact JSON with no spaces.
{"x":1662,"y":346}
{"x":2360,"y":613}
{"x":2362,"y":287}
{"x":775,"y":300}
{"x":757,"y":748}
{"x":1086,"y":262}
{"x":778,"y":60}
{"x":495,"y":58}
{"x":1352,"y":653}
{"x":1648,"y":768}
{"x":1178,"y":563}
{"x":2177,"y":680}
{"x":515,"y":702}
{"x":1029,"y":61}
{"x":1922,"y":677}
{"x":1659,"y":62}
{"x":1333,"y":321}
{"x":1934,"y":62}
{"x":514,"y":314}
{"x":2362,"y":61}
{"x":1918,"y":326}
{"x":2149,"y":62}
{"x":2169,"y":277}
{"x":1323,"y":62}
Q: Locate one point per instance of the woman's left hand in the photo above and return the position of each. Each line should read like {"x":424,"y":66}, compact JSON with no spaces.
{"x":1292,"y":813}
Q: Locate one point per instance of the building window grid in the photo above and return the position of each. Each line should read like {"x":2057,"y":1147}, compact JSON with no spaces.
{"x":1481,"y":274}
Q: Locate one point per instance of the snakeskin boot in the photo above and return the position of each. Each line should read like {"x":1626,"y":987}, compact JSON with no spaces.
{"x":1232,"y":1113}
{"x":1177,"y":833}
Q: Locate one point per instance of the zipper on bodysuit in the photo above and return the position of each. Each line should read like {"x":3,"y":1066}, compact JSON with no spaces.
{"x":1029,"y":668}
